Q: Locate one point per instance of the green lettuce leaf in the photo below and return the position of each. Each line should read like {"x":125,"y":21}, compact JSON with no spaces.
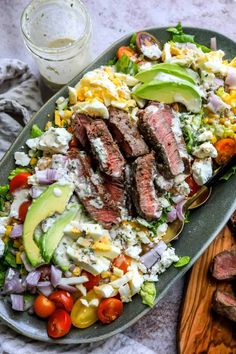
{"x":9,"y":258}
{"x":132,"y":42}
{"x":4,"y":196}
{"x":229,"y":174}
{"x":148,"y":293}
{"x":183,"y":261}
{"x":16,"y":171}
{"x":35,"y":131}
{"x":126,"y":66}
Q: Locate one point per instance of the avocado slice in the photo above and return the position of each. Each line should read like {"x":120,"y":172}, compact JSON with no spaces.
{"x":47,"y":204}
{"x":60,"y":257}
{"x":53,"y":236}
{"x":171,"y":69}
{"x":170,"y":92}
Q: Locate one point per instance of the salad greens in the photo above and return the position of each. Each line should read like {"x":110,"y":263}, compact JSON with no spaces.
{"x":183,"y":261}
{"x":229,"y":174}
{"x":35,"y":131}
{"x":4,"y":196}
{"x":132,"y":42}
{"x":126,"y":66}
{"x":179,"y":36}
{"x":16,"y":171}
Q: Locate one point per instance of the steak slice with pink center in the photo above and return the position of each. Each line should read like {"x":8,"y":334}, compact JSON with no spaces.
{"x":144,"y":194}
{"x":91,"y":191}
{"x":79,"y":122}
{"x":155,"y":125}
{"x":126,"y":134}
{"x":105,"y":150}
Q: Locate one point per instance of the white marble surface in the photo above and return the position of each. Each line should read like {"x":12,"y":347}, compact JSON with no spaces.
{"x":112,"y":19}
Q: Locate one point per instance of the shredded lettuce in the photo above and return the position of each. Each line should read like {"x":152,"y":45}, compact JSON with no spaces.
{"x":16,"y":171}
{"x":132,"y":42}
{"x":112,"y":61}
{"x":179,"y":36}
{"x":35,"y":131}
{"x":148,"y":293}
{"x":126,"y":66}
{"x":4,"y":196}
{"x":183,"y":261}
{"x":9,"y":258}
{"x":229,"y":174}
{"x":190,"y":125}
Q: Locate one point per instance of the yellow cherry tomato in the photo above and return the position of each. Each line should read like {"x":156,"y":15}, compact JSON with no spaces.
{"x":83,"y":316}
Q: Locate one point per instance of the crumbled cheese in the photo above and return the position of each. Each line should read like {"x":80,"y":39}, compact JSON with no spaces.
{"x":202,"y":170}
{"x":205,"y":136}
{"x":125,"y":293}
{"x":54,"y":140}
{"x":151,"y":51}
{"x":21,"y":158}
{"x":205,"y":150}
{"x":133,"y":251}
{"x":4,"y":221}
{"x":167,"y":258}
{"x":105,"y":290}
{"x":2,"y":247}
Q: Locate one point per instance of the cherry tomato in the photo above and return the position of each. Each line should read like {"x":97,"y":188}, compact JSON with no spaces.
{"x":122,"y":262}
{"x":109,"y":310}
{"x":19,"y":181}
{"x":194,"y":187}
{"x":62,"y":299}
{"x":125,"y":50}
{"x":43,"y":307}
{"x":59,"y":324}
{"x":23,"y":209}
{"x":93,"y":280}
{"x":73,"y":142}
{"x":226,"y":148}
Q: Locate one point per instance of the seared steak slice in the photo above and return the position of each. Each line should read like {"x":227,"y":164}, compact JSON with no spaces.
{"x":105,"y":150}
{"x":116,"y":190}
{"x":144,"y":194}
{"x":90,"y":189}
{"x":224,"y":265}
{"x":126,"y":134}
{"x":155,"y":125}
{"x":129,"y":190}
{"x":224,"y":304}
{"x":79,"y":123}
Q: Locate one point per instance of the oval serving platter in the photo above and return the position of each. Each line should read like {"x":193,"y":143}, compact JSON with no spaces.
{"x":205,"y":222}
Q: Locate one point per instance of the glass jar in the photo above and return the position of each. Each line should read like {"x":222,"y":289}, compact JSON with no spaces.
{"x":57,"y":33}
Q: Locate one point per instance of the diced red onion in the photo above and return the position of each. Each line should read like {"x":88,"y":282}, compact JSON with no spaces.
{"x":69,"y":288}
{"x":231,"y":78}
{"x":215,"y":103}
{"x":44,"y":284}
{"x":13,"y":283}
{"x":55,"y":275}
{"x":178,"y":198}
{"x":45,"y":288}
{"x":45,"y":271}
{"x":26,"y":263}
{"x":68,"y":274}
{"x":16,"y":231}
{"x":46,"y":176}
{"x":17,"y":302}
{"x":213,"y":43}
{"x":33,"y":277}
{"x":154,"y":255}
{"x":172,"y":215}
{"x":179,"y":210}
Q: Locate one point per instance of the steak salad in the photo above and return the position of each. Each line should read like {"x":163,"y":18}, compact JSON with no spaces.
{"x":95,"y":191}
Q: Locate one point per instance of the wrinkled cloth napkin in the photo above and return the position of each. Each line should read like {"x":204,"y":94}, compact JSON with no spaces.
{"x":154,"y":333}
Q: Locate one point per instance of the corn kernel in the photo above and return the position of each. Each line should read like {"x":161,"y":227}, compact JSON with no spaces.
{"x":114,"y":277}
{"x":205,"y":120}
{"x":67,"y":114}
{"x":48,"y":125}
{"x":175,"y":51}
{"x":33,"y":161}
{"x":57,"y":119}
{"x":210,"y":120}
{"x":213,"y":139}
{"x":18,"y":258}
{"x":76,"y":271}
{"x":222,"y":120}
{"x":233,"y":62}
{"x":105,"y":275}
{"x":8,"y":230}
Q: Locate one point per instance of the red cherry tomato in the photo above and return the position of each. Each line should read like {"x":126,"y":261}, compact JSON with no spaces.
{"x":109,"y":310}
{"x":23,"y":210}
{"x":43,"y":307}
{"x":194,"y":187}
{"x":93,"y":280}
{"x":73,"y":142}
{"x":62,"y":299}
{"x":122,"y":262}
{"x":59,"y":324}
{"x":19,"y":181}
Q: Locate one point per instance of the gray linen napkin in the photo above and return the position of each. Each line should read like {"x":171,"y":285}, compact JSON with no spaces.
{"x":19,"y":99}
{"x":155,"y":333}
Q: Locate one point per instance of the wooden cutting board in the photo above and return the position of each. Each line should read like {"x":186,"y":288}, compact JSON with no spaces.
{"x":200,"y":329}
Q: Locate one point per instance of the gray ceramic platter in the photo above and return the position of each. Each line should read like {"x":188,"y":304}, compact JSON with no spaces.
{"x":205,"y":222}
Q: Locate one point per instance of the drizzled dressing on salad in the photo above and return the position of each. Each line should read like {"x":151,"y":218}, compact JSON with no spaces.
{"x":83,"y":216}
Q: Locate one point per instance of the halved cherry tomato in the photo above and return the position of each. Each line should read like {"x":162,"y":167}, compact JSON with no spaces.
{"x":43,"y":307}
{"x":70,"y":130}
{"x":194,"y":187}
{"x":19,"y":181}
{"x":59,"y":324}
{"x":23,"y":210}
{"x":125,"y":50}
{"x":62,"y":299}
{"x":226,"y":148}
{"x":73,"y":142}
{"x":122,"y":262}
{"x":93,"y":280}
{"x":109,"y":310}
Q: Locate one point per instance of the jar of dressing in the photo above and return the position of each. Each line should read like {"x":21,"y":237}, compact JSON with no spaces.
{"x":57,"y":33}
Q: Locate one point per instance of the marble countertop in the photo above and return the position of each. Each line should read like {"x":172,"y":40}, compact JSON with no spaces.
{"x":112,"y":19}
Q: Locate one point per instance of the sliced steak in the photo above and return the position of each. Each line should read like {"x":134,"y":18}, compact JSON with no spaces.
{"x":105,"y":150}
{"x":128,"y":190}
{"x":224,"y":265}
{"x":91,"y":191}
{"x":155,"y":125}
{"x":224,"y":304}
{"x":144,"y":194}
{"x":126,"y":134}
{"x":79,"y":122}
{"x":116,"y":189}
